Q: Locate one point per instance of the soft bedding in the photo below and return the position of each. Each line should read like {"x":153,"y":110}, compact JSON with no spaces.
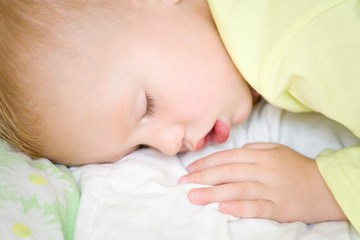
{"x":138,"y":197}
{"x":38,"y":200}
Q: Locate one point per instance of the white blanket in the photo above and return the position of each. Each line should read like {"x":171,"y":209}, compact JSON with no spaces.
{"x":138,"y":197}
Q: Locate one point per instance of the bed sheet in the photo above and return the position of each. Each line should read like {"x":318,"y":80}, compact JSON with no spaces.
{"x":38,"y":199}
{"x":138,"y":197}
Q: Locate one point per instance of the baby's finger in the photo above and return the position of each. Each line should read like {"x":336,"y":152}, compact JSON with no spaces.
{"x":249,"y":209}
{"x":227,"y":192}
{"x":261,"y":145}
{"x":234,"y":172}
{"x":223,"y":157}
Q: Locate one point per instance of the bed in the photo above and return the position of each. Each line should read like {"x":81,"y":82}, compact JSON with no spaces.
{"x":138,"y":197}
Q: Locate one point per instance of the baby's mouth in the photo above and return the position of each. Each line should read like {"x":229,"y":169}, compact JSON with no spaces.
{"x":218,"y":134}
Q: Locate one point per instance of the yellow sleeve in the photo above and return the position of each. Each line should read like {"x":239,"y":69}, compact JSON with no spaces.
{"x":341,"y":172}
{"x":299,"y":55}
{"x":303,"y":55}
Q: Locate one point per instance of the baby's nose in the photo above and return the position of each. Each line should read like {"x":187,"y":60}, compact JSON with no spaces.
{"x":169,"y":140}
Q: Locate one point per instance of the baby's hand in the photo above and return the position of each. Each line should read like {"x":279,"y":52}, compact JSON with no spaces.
{"x":264,"y":180}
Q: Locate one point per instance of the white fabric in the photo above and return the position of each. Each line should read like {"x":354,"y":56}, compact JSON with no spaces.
{"x":138,"y":197}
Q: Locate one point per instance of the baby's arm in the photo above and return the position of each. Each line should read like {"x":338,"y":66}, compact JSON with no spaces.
{"x":264,"y":180}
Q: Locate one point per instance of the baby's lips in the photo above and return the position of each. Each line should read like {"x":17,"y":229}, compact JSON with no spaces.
{"x":221,"y":132}
{"x":200,"y":145}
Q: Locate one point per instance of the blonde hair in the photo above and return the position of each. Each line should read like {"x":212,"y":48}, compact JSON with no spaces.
{"x":15,"y":116}
{"x":24,"y":26}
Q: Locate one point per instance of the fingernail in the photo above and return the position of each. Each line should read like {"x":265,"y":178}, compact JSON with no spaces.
{"x":196,"y":195}
{"x":184,"y":179}
{"x":190,"y":169}
{"x":226,"y":207}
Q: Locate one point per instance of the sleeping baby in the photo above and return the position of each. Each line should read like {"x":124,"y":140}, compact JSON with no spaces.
{"x":139,"y":197}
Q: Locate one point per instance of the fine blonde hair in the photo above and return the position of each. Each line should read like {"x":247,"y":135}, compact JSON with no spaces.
{"x":17,"y":120}
{"x":26,"y":25}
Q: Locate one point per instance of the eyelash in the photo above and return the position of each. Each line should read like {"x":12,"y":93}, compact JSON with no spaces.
{"x":149,"y":104}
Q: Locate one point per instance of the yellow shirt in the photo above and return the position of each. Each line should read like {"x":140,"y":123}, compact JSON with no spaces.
{"x":303,"y":55}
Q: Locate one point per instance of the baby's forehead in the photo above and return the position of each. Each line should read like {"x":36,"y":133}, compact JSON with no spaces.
{"x":70,"y":36}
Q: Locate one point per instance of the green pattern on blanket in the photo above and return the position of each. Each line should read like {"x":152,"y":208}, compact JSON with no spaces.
{"x":38,"y":200}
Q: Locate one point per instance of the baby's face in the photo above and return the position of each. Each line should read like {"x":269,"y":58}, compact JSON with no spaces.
{"x":162,"y":80}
